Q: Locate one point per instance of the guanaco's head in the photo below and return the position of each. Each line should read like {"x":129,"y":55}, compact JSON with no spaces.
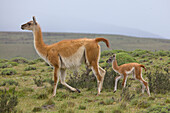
{"x":112,"y":58}
{"x":29,"y":25}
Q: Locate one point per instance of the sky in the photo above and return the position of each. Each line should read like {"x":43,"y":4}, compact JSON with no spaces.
{"x":127,"y":17}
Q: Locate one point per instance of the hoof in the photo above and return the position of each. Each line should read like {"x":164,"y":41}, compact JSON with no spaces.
{"x":114,"y":91}
{"x":78,"y":90}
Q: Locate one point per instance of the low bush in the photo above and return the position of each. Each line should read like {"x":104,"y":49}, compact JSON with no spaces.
{"x":82,"y":107}
{"x":10,"y":82}
{"x":42,"y":96}
{"x":32,"y":62}
{"x":162,"y":53}
{"x":38,"y":81}
{"x":158,"y":109}
{"x":3,"y":60}
{"x":37,"y":109}
{"x":13,"y":63}
{"x":8,"y":64}
{"x":143,"y":104}
{"x":19,"y":60}
{"x":8,"y":101}
{"x":8,"y":71}
{"x":28,"y":68}
{"x":140,"y":52}
{"x":107,"y":101}
{"x":3,"y":65}
{"x":39,"y":60}
{"x":126,"y":95}
{"x":117,"y":111}
{"x":159,"y":81}
{"x":123,"y":58}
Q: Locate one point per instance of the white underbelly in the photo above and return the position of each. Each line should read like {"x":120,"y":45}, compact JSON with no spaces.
{"x":75,"y":60}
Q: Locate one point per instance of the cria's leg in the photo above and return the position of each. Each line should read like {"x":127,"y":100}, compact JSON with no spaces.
{"x":116,"y":80}
{"x":56,"y":79}
{"x":144,"y":83}
{"x":95,"y":70}
{"x":124,"y":81}
{"x":63,"y":75}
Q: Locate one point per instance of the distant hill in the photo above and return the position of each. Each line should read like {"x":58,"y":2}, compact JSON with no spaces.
{"x":20,"y":44}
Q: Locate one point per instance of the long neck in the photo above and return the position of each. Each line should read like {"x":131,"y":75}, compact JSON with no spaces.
{"x":114,"y":65}
{"x":39,"y":44}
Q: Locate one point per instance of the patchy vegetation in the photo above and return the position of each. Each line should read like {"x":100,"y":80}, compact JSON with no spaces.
{"x":33,"y":83}
{"x":8,"y":71}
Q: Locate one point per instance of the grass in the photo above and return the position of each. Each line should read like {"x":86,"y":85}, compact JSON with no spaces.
{"x":39,"y":99}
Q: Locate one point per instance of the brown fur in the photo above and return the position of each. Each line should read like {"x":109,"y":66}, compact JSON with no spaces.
{"x":126,"y":69}
{"x":66,"y":49}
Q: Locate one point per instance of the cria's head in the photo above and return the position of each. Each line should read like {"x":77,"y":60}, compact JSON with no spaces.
{"x":29,"y":25}
{"x":111,"y":58}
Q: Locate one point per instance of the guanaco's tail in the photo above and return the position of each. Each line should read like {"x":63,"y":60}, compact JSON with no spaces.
{"x":143,"y":67}
{"x":104,"y":40}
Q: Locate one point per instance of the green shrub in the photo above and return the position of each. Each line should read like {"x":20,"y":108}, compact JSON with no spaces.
{"x":28,"y":68}
{"x":13,"y":63}
{"x":158,"y":109}
{"x":39,"y":60}
{"x":3,"y":65}
{"x":8,"y":64}
{"x":50,"y":102}
{"x":126,"y":95}
{"x":25,"y":74}
{"x":106,"y":53}
{"x":107,"y":101}
{"x":38,"y":81}
{"x":19,"y":60}
{"x":124,"y":58}
{"x":32,"y":62}
{"x":27,"y":90}
{"x":82,"y":107}
{"x":159,"y":82}
{"x":8,"y":71}
{"x":37,"y":109}
{"x":42,"y":96}
{"x":10,"y":82}
{"x":167,"y":100}
{"x":143,"y":104}
{"x":100,"y":111}
{"x":8,"y":101}
{"x":141,"y":53}
{"x":134,"y":102}
{"x":3,"y":60}
{"x":116,"y":111}
{"x":162,"y":53}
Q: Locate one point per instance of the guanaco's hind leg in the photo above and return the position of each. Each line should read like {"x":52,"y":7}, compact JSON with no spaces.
{"x":56,"y":79}
{"x":96,"y":72}
{"x":62,"y":76}
{"x":102,"y":73}
{"x":92,"y":57}
{"x":143,"y":82}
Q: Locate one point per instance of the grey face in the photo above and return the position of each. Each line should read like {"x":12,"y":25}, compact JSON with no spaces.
{"x":111,"y":59}
{"x":27,"y":26}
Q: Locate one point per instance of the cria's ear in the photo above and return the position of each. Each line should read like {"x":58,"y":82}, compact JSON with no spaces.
{"x":34,"y":20}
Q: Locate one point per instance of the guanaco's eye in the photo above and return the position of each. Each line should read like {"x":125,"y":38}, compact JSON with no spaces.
{"x":29,"y":24}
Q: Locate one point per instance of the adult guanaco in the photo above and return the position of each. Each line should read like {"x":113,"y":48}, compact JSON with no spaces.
{"x":126,"y":69}
{"x":68,"y":54}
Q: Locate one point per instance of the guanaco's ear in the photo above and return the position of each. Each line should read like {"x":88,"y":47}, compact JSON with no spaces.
{"x":34,"y":20}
